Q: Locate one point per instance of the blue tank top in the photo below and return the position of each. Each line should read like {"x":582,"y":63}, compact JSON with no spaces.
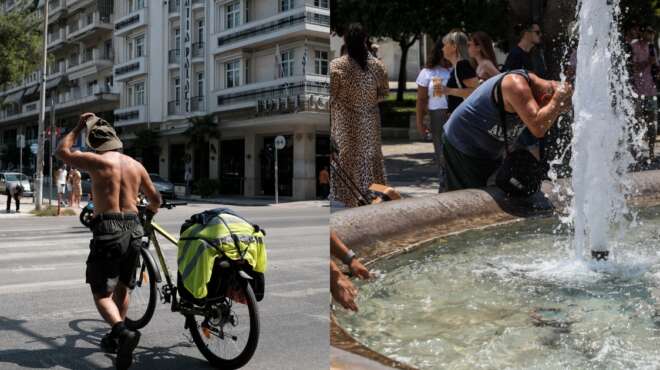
{"x":474,"y":127}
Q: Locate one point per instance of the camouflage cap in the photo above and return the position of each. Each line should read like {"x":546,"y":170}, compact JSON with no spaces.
{"x":101,"y":136}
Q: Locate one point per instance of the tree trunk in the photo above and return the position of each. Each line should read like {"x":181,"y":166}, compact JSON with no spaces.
{"x":405,"y":46}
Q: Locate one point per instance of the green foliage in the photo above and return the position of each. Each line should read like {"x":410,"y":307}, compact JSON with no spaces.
{"x":20,"y":37}
{"x":206,"y":187}
{"x":202,"y":130}
{"x":641,"y":12}
{"x":52,"y":211}
{"x":146,"y":141}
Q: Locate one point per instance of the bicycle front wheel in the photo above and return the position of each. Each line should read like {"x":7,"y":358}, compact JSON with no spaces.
{"x":144,"y":297}
{"x":228,"y":337}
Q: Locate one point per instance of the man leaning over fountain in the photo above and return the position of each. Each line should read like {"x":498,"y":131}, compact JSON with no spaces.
{"x":474,"y":141}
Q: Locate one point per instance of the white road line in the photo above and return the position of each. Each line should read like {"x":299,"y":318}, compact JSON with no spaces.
{"x":42,"y":254}
{"x":300,"y":293}
{"x":42,"y":285}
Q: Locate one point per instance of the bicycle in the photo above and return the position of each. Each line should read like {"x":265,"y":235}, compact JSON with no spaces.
{"x":221,"y":315}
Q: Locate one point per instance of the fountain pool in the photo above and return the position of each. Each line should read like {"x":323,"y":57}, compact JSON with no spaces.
{"x":514,"y":296}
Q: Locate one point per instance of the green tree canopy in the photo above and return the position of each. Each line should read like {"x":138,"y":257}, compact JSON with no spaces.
{"x":20,"y":37}
{"x":405,"y":21}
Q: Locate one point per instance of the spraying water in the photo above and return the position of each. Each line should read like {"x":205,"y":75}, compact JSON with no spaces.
{"x":601,"y":105}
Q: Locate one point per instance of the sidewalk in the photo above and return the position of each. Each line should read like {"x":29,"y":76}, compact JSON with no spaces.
{"x":27,"y":206}
{"x":411,"y":168}
{"x":258,"y":201}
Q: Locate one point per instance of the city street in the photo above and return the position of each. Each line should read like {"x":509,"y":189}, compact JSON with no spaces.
{"x":48,"y":318}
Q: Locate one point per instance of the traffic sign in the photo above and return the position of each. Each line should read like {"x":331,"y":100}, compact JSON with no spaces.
{"x":20,"y":141}
{"x":280,"y":142}
{"x":33,"y":148}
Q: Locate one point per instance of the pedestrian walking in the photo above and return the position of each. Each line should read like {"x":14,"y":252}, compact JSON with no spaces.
{"x":61,"y":177}
{"x":14,"y":190}
{"x":324,"y":182}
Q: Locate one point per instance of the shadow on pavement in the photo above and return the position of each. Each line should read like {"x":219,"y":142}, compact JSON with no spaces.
{"x":71,"y":355}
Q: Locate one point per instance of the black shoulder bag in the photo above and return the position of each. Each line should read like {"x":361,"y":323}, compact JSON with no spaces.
{"x":520,"y":174}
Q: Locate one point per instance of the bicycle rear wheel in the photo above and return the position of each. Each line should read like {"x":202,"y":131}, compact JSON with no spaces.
{"x":229,"y":337}
{"x":143,"y":298}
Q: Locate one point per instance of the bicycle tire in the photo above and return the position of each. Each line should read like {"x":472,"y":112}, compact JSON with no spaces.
{"x":250,"y":347}
{"x":86,"y":217}
{"x":146,"y":265}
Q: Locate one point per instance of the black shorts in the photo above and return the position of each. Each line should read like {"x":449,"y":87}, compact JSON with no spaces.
{"x":114,"y":251}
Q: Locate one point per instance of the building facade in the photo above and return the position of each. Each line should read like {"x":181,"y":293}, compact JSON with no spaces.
{"x":254,"y":68}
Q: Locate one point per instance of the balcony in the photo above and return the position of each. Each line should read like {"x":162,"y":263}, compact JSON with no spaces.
{"x":56,"y":39}
{"x":174,"y":56}
{"x":198,"y":3}
{"x":77,"y":96}
{"x":131,"y":21}
{"x":198,"y":50}
{"x":132,"y":68}
{"x":73,"y":5}
{"x":173,"y":107}
{"x":130,"y":116}
{"x":87,"y":26}
{"x":90,"y":58}
{"x":197,"y":104}
{"x":173,"y":7}
{"x":303,"y":21}
{"x":295,"y":93}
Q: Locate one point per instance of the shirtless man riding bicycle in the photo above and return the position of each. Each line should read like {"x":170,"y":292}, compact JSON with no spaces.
{"x":117,"y":232}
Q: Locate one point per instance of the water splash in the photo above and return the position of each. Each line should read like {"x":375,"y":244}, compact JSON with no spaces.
{"x":603,"y":111}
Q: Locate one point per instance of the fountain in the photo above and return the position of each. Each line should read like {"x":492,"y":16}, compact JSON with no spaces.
{"x":471,"y":278}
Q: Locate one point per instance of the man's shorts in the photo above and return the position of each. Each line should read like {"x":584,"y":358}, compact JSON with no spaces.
{"x":114,"y":251}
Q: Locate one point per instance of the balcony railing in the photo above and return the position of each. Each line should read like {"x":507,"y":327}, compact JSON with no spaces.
{"x":281,"y":91}
{"x":173,"y":107}
{"x":174,"y":6}
{"x":197,"y":103}
{"x":198,"y":2}
{"x":174,"y":56}
{"x":263,"y":28}
{"x":198,"y":49}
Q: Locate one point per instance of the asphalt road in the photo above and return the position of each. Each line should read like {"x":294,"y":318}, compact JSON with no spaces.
{"x":48,"y":319}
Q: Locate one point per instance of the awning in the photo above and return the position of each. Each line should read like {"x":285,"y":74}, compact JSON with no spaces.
{"x":31,"y":90}
{"x":14,"y":97}
{"x":51,"y":84}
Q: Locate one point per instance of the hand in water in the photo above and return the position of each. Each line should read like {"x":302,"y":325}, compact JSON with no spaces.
{"x":343,"y":291}
{"x":359,"y":270}
{"x":563,"y":94}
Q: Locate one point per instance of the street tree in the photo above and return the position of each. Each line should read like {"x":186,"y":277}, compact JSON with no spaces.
{"x":147,"y":146}
{"x":199,"y":134}
{"x":405,"y":22}
{"x":20,"y":37}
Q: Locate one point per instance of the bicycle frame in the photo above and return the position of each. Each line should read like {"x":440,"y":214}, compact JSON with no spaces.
{"x":169,"y":292}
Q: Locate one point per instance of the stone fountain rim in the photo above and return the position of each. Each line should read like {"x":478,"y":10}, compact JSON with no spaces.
{"x":414,"y":223}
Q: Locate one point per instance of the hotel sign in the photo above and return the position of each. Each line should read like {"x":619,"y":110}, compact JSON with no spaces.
{"x":186,"y":24}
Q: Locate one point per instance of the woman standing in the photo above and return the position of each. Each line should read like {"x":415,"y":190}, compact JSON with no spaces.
{"x":480,"y":48}
{"x":463,"y":79}
{"x":76,"y":188}
{"x":431,"y":100}
{"x":358,"y":81}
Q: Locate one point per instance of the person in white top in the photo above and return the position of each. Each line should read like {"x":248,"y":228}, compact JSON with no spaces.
{"x":61,"y":182}
{"x":430,"y":99}
{"x":480,"y":47}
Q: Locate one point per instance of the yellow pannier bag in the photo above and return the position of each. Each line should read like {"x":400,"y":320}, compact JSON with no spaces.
{"x":207,"y":236}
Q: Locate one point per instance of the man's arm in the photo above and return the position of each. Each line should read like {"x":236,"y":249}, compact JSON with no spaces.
{"x":150,"y":191}
{"x":422,"y":101}
{"x":339,"y":250}
{"x":517,"y":92}
{"x":86,"y":161}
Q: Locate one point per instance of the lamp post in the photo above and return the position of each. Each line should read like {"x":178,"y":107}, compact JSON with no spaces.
{"x":39,"y":179}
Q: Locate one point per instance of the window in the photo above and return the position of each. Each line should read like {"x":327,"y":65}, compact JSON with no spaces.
{"x":200,"y":84}
{"x":287,"y":63}
{"x":200,"y":30}
{"x":233,"y":12}
{"x":321,"y":62}
{"x":177,"y":89}
{"x":321,"y":4}
{"x":177,"y":38}
{"x":139,"y":46}
{"x":131,"y":95}
{"x":131,"y":48}
{"x":135,"y":5}
{"x":286,"y":5}
{"x":139,"y":93}
{"x":232,"y":74}
{"x":247,"y":71}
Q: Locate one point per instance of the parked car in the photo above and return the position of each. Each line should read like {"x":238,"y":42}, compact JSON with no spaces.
{"x":165,"y":187}
{"x":7,"y":178}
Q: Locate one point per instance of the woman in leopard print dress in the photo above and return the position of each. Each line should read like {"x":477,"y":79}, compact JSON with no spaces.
{"x":358,"y":82}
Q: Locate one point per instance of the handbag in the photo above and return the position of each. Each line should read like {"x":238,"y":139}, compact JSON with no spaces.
{"x":520,"y":174}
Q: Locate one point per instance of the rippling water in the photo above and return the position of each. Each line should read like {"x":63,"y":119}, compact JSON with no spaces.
{"x":514,"y":297}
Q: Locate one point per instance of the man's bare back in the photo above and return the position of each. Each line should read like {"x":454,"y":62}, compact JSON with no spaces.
{"x":116,"y":183}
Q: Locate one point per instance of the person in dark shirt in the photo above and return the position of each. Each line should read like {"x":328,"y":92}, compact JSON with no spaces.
{"x":463,"y":78}
{"x":519,"y":57}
